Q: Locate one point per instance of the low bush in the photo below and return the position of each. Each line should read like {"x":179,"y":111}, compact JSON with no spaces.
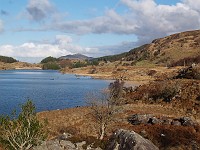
{"x":167,"y":137}
{"x":151,"y":72}
{"x":23,"y":131}
{"x":155,"y":91}
{"x":51,"y":66}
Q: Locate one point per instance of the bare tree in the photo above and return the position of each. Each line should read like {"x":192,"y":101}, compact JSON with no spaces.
{"x":103,"y":106}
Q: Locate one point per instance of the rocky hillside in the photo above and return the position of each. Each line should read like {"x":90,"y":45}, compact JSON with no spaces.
{"x":164,"y":51}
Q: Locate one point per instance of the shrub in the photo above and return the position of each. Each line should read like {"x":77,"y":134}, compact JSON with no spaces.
{"x":51,"y":66}
{"x":151,"y":72}
{"x":79,"y":64}
{"x":22,"y":132}
{"x":163,"y":90}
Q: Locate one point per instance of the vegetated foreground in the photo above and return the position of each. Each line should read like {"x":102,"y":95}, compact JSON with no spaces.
{"x":77,"y":121}
{"x":164,"y":108}
{"x":165,"y":111}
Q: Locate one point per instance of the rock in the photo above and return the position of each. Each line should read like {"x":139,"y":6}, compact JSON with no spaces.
{"x":187,"y":121}
{"x":144,"y":134}
{"x":62,"y":143}
{"x":49,"y":145}
{"x":129,"y":140}
{"x":155,"y":120}
{"x":64,"y":136}
{"x":167,"y":121}
{"x":176,"y":123}
{"x":56,"y":145}
{"x":80,"y":144}
{"x":137,"y":119}
{"x":67,"y":145}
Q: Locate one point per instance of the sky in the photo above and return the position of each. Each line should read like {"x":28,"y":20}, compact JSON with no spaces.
{"x":31,"y":30}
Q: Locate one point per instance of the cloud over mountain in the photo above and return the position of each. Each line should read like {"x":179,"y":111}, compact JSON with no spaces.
{"x":62,"y":45}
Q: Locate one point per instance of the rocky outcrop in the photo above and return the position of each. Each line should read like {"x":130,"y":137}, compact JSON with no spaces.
{"x":129,"y":140}
{"x":63,"y":143}
{"x":191,"y":72}
{"x":138,"y":119}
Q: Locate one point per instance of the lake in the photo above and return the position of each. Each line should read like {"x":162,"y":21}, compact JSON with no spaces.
{"x":49,"y":90}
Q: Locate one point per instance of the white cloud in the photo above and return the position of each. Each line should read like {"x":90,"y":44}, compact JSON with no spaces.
{"x":1,"y":26}
{"x":63,"y":45}
{"x":144,"y":18}
{"x":154,"y":21}
{"x":110,"y":23}
{"x":193,"y":4}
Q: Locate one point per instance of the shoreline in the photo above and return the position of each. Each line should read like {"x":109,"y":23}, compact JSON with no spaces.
{"x":109,"y":77}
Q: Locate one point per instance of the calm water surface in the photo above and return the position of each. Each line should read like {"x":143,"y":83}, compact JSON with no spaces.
{"x":49,"y":90}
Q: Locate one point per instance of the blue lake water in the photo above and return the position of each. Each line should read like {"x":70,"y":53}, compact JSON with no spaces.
{"x":49,"y":90}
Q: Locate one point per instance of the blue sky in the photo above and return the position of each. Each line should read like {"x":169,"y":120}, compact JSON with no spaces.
{"x":33,"y":29}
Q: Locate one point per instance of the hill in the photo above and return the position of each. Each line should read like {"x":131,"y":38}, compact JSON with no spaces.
{"x":76,"y":56}
{"x":175,"y":49}
{"x":6,"y":59}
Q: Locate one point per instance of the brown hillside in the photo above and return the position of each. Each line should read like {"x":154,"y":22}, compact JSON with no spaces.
{"x":167,"y":50}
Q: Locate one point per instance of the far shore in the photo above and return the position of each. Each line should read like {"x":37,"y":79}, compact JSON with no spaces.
{"x":28,"y":68}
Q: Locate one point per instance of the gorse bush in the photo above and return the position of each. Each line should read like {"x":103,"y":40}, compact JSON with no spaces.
{"x":22,"y":132}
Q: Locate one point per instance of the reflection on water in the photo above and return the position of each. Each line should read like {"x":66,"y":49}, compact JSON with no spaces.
{"x":49,"y":90}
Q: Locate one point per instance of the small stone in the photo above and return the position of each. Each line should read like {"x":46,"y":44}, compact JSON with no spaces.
{"x":176,"y":123}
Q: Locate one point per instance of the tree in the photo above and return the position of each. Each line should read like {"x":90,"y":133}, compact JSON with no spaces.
{"x":49,"y":59}
{"x":103,"y":106}
{"x":116,"y":91}
{"x":7,"y":59}
{"x":23,"y":132}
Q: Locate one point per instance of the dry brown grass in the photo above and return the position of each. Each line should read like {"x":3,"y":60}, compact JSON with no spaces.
{"x":19,"y":65}
{"x":78,"y":122}
{"x":140,"y":74}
